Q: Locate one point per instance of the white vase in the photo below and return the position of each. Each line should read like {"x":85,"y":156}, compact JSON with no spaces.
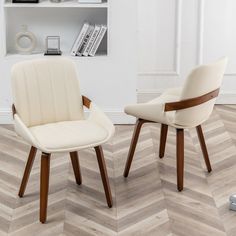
{"x":21,"y":39}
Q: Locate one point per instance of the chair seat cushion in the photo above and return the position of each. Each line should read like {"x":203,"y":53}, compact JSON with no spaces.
{"x":68,"y":135}
{"x":154,"y":109}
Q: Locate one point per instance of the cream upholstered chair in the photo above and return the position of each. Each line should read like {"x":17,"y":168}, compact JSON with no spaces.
{"x":48,"y":114}
{"x":181,"y":108}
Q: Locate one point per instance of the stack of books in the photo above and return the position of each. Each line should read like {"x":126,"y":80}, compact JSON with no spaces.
{"x":88,"y":40}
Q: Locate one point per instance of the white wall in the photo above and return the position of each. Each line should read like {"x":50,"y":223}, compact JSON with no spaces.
{"x":176,"y":35}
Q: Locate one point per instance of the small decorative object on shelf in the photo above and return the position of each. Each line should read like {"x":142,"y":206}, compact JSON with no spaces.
{"x":232,"y":201}
{"x":25,"y":1}
{"x":90,"y":1}
{"x":53,"y":46}
{"x":25,"y":41}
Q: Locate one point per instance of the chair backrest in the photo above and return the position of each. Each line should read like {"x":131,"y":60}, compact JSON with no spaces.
{"x":201,"y":80}
{"x":46,"y":91}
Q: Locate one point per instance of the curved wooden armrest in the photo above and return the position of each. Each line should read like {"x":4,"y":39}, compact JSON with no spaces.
{"x":86,"y":102}
{"x":187,"y":103}
{"x":13,"y":110}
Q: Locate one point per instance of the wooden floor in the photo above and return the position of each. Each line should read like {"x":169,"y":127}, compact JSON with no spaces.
{"x":147,"y":203}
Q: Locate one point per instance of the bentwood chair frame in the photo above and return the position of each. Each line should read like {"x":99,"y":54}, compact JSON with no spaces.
{"x":45,"y":170}
{"x":174,"y":106}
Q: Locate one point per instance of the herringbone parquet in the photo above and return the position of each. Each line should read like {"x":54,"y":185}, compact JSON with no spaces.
{"x":146,"y":203}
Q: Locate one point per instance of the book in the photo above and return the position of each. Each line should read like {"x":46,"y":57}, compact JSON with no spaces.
{"x":98,"y":40}
{"x":83,"y":45}
{"x":92,"y":39}
{"x":79,"y":39}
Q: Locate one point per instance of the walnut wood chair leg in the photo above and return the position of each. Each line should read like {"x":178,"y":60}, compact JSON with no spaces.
{"x":27,"y":171}
{"x":180,"y":158}
{"x":44,"y":185}
{"x":164,"y":130}
{"x":133,"y":144}
{"x":76,"y":167}
{"x":203,"y":147}
{"x":104,"y":176}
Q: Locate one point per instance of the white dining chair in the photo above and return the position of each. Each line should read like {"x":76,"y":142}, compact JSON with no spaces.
{"x":182,"y":108}
{"x":48,"y":113}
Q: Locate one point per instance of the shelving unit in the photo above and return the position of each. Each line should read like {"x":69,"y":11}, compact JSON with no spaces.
{"x":72,"y":3}
{"x":64,"y":19}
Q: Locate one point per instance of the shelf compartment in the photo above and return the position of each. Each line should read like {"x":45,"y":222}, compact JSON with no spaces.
{"x":63,"y":22}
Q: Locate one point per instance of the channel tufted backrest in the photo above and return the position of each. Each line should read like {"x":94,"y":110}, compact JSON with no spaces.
{"x":201,"y":80}
{"x":46,"y":91}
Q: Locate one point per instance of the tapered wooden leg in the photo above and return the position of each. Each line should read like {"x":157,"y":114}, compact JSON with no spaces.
{"x":203,"y":147}
{"x":164,"y":130}
{"x":104,"y":176}
{"x":44,"y":185}
{"x":76,"y":167}
{"x":27,"y":171}
{"x":133,"y":144}
{"x":180,"y":158}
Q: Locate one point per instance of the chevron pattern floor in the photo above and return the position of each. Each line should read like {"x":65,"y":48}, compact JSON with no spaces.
{"x":147,"y":203}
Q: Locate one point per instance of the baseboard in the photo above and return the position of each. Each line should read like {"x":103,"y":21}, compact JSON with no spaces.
{"x":116,"y":116}
{"x":147,"y":95}
{"x":6,"y":116}
{"x":119,"y":117}
{"x":224,"y":97}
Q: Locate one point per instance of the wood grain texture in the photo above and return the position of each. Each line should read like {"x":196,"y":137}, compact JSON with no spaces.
{"x":76,"y":167}
{"x":104,"y":176}
{"x":180,"y":158}
{"x":163,"y":136}
{"x":86,"y":101}
{"x":147,"y":203}
{"x":204,"y":148}
{"x":27,"y":171}
{"x":191,"y":102}
{"x":44,"y":186}
{"x":137,"y":129}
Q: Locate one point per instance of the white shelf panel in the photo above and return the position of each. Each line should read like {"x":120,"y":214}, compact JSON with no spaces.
{"x":63,"y":4}
{"x":40,"y":55}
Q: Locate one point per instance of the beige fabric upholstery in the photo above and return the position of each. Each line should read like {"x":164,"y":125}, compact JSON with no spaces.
{"x":59,"y":126}
{"x":201,"y":80}
{"x":46,"y":91}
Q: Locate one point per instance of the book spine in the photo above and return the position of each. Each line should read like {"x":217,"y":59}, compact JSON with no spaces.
{"x":90,"y":1}
{"x":80,"y":38}
{"x":98,"y":41}
{"x":92,"y":40}
{"x":83,"y":45}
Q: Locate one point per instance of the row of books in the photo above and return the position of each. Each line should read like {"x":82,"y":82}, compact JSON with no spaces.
{"x":88,"y":40}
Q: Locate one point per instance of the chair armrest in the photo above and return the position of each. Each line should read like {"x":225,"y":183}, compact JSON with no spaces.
{"x":187,"y":103}
{"x":86,"y":102}
{"x":21,"y":129}
{"x":13,"y":110}
{"x":98,"y":116}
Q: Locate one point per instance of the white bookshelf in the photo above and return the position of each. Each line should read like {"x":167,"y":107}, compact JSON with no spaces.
{"x":68,"y":3}
{"x":64,"y":19}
